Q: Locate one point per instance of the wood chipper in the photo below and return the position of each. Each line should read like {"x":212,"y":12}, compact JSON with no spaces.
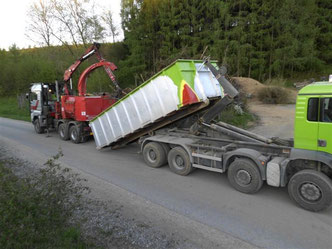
{"x":53,"y":105}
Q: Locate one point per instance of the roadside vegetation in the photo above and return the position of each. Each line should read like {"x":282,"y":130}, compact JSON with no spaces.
{"x":35,"y":210}
{"x":238,"y":117}
{"x":9,"y":108}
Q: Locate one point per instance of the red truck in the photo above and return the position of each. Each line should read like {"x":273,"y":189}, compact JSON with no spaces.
{"x":54,"y":106}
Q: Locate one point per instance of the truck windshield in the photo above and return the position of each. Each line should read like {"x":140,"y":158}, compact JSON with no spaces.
{"x":326,"y":110}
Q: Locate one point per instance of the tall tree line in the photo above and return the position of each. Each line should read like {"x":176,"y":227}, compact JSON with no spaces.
{"x":254,"y":38}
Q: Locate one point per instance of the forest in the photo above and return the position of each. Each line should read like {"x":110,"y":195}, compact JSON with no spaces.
{"x":288,"y":39}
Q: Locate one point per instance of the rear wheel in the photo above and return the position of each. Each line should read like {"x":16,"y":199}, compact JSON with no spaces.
{"x":244,"y":176}
{"x":154,"y":155}
{"x":179,"y":161}
{"x":311,"y":189}
{"x":63,"y":133}
{"x":75,"y":134}
{"x":38,"y":128}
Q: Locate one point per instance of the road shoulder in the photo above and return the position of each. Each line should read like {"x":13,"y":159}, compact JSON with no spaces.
{"x":153,"y":222}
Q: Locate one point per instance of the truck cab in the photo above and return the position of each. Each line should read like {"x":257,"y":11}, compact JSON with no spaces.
{"x":42,"y":101}
{"x":313,"y":118}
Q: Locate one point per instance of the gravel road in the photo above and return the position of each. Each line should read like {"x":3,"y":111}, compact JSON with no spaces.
{"x":197,"y":211}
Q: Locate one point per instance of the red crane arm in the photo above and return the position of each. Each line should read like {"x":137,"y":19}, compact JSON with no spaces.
{"x":88,"y":53}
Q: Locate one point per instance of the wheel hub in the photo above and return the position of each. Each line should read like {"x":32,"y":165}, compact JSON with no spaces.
{"x":243,"y":177}
{"x":73,"y":135}
{"x":310,"y":191}
{"x":179,"y":161}
{"x":152,"y":155}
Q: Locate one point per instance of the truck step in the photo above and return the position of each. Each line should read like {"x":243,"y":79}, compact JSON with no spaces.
{"x":207,"y":168}
{"x":206,"y":156}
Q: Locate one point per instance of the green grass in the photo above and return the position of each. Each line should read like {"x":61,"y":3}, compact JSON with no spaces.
{"x":9,"y":109}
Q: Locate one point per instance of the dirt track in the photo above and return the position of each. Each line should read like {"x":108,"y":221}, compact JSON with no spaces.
{"x":274,"y":120}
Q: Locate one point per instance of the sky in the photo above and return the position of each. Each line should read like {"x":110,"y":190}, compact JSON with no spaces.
{"x":13,"y":20}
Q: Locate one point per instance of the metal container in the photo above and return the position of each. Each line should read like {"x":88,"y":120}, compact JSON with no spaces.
{"x":185,"y":84}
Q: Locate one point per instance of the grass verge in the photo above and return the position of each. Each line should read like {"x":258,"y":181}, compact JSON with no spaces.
{"x":35,"y":210}
{"x":9,"y":109}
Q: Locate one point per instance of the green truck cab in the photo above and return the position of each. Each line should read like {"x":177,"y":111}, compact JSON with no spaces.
{"x":313,"y":118}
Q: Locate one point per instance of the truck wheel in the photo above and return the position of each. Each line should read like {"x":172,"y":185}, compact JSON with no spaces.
{"x":166,"y":149}
{"x":311,"y":189}
{"x":74,"y":134}
{"x":244,"y":176}
{"x":179,"y":161}
{"x":154,"y":155}
{"x":38,"y":128}
{"x":63,"y":133}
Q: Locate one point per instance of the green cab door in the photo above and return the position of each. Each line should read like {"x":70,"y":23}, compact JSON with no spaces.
{"x":324,"y":141}
{"x":306,"y":122}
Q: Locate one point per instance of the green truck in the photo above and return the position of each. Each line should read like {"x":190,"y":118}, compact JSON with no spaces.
{"x":304,"y":163}
{"x":172,"y":117}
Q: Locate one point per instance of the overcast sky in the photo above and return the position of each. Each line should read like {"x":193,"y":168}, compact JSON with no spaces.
{"x":13,"y":20}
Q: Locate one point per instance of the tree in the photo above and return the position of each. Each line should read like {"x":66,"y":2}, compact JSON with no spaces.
{"x":67,"y":22}
{"x":40,"y":24}
{"x":110,"y":24}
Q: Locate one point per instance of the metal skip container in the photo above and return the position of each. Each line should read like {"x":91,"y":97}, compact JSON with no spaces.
{"x":178,"y":90}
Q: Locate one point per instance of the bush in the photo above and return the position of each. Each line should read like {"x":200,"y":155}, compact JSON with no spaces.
{"x":34,"y":211}
{"x":280,"y":82}
{"x":274,"y":95}
{"x":242,"y":119}
{"x":276,"y":82}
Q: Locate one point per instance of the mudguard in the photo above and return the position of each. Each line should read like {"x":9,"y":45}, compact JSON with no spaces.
{"x":259,"y":159}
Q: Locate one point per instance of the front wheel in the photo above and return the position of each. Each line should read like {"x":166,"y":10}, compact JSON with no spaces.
{"x":37,"y":126}
{"x":244,"y":176}
{"x":311,"y":189}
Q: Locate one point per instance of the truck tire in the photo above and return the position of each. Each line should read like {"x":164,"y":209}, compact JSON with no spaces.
{"x":38,"y":128}
{"x":75,"y":134}
{"x":244,"y":176}
{"x":166,"y":149}
{"x":311,"y":189}
{"x":154,"y":155}
{"x":63,"y":133}
{"x":179,"y":161}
